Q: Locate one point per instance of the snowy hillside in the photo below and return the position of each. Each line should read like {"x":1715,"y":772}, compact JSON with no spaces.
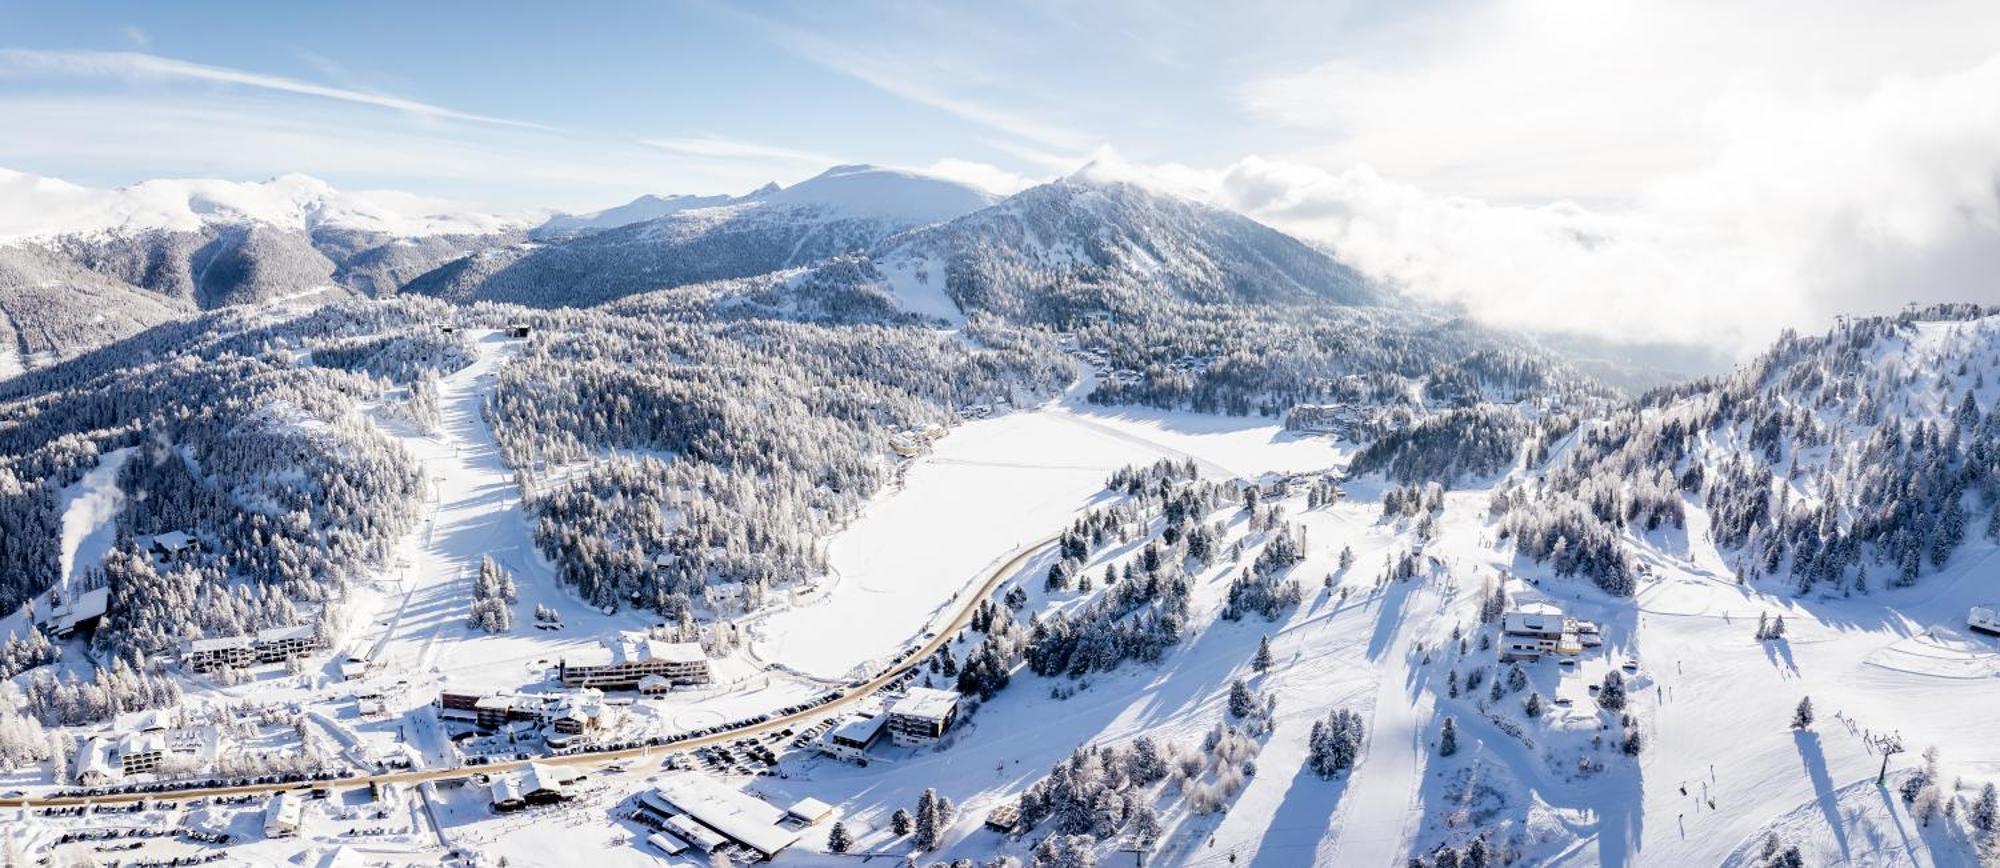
{"x":1842,"y":463}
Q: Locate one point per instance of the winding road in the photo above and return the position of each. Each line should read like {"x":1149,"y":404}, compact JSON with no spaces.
{"x":991,"y":582}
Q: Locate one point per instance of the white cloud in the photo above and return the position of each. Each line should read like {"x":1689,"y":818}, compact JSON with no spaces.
{"x":1811,"y":208}
{"x":1540,"y":100}
{"x":721,"y":147}
{"x":985,"y":176}
{"x":137,"y":66}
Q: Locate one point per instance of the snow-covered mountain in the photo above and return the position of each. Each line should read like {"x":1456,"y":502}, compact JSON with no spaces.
{"x":1124,"y":240}
{"x":37,"y":208}
{"x":213,"y":243}
{"x":845,"y":209}
{"x":640,"y":210}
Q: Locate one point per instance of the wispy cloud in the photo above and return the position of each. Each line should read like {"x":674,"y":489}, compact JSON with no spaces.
{"x":138,"y":66}
{"x":911,"y":82}
{"x":725,"y":148}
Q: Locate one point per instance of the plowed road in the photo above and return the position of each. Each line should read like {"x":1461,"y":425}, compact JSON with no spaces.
{"x":849,"y":696}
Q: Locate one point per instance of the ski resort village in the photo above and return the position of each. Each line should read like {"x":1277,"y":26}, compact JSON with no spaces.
{"x":1063,"y":634}
{"x":1051,"y":509}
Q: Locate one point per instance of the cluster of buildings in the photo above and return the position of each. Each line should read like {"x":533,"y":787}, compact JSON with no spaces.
{"x":275,"y":645}
{"x":567,"y":717}
{"x":138,"y":744}
{"x":1535,"y":630}
{"x":915,"y":441}
{"x":921,"y":716}
{"x":693,"y":811}
{"x":627,"y":662}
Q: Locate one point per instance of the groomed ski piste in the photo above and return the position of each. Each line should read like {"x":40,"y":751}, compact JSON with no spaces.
{"x":1721,"y":767}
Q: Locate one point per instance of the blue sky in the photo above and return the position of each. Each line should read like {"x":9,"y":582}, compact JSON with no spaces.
{"x":1696,"y":171}
{"x":727,"y":95}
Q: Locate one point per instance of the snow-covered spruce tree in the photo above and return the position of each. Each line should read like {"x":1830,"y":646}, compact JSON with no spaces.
{"x":1986,"y":810}
{"x":933,"y":818}
{"x":493,"y":594}
{"x":1262,"y":661}
{"x":1611,"y":692}
{"x":1448,"y":738}
{"x":838,"y":839}
{"x":1335,"y":743}
{"x":900,"y":823}
{"x":1802,"y":717}
{"x":1242,"y":700}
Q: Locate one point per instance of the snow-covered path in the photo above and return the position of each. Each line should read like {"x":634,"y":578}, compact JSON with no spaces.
{"x":476,"y":513}
{"x":1379,"y":812}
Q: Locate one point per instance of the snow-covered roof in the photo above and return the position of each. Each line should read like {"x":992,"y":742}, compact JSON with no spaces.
{"x":94,"y":757}
{"x":667,"y":843}
{"x":744,"y":818}
{"x":702,"y":836}
{"x":860,"y":730}
{"x":150,"y":720}
{"x":173,"y":540}
{"x":218,"y":643}
{"x":637,"y":647}
{"x":280,"y":634}
{"x":809,"y":810}
{"x":929,"y":703}
{"x":283,"y":813}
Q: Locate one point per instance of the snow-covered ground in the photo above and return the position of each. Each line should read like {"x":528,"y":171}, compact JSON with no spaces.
{"x":1720,"y":769}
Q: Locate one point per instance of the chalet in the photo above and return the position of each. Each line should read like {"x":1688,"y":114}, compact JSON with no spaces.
{"x":922,"y":716}
{"x":354,"y":668}
{"x":533,"y":784}
{"x":174,"y":546}
{"x":1985,"y":619}
{"x":708,"y":814}
{"x":851,"y":740}
{"x":283,"y":815}
{"x":629,"y":657}
{"x":1004,"y":818}
{"x":584,"y":712}
{"x":1535,"y":629}
{"x":655,"y":685}
{"x":96,"y":762}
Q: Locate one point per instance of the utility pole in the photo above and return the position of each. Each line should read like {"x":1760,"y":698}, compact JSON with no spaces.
{"x":1890,"y":745}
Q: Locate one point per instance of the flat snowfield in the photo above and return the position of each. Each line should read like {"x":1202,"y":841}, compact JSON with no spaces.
{"x":989,"y":488}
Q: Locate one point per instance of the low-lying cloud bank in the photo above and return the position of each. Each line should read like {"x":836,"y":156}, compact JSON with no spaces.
{"x":1811,"y":209}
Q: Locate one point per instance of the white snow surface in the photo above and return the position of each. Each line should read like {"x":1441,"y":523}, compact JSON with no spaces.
{"x":32,"y":207}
